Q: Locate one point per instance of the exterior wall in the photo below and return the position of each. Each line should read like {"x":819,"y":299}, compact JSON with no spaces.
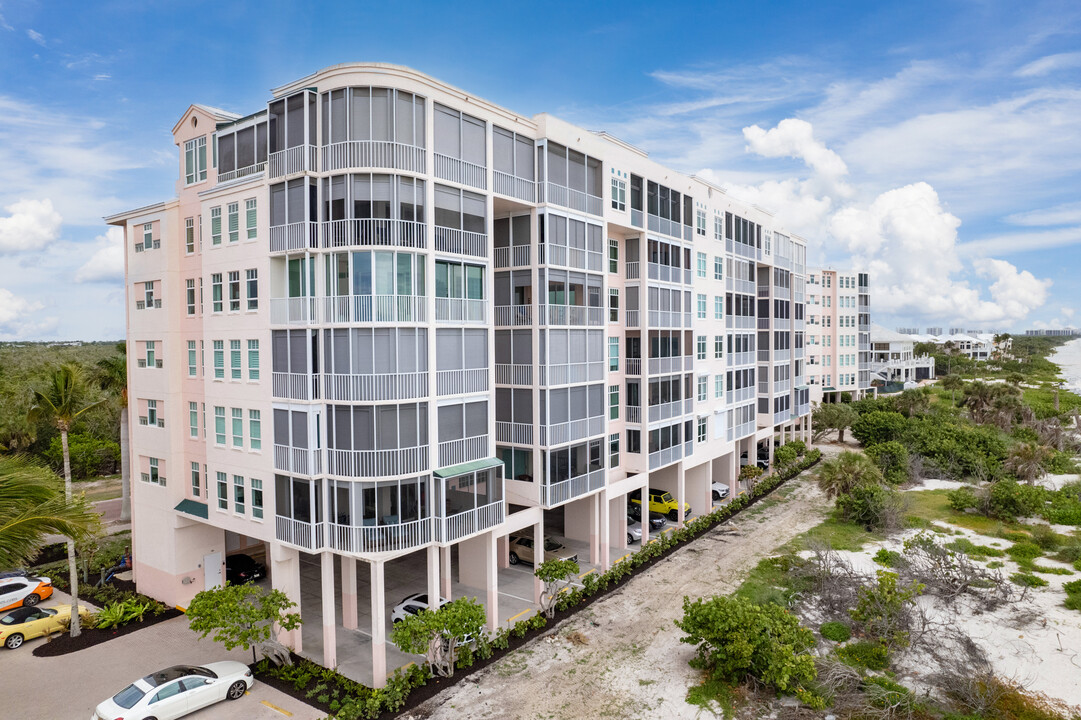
{"x":839,"y":319}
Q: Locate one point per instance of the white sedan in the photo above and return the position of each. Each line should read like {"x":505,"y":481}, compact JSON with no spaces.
{"x":720,"y":491}
{"x":412,"y":605}
{"x":177,"y":691}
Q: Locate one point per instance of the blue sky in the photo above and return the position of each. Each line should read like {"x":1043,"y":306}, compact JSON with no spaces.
{"x":937,"y":144}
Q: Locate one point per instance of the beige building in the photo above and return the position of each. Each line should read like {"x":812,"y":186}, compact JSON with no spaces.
{"x":838,"y":334}
{"x":387,"y":332}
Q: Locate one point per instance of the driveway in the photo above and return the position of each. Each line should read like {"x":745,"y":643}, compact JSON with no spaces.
{"x":70,"y":686}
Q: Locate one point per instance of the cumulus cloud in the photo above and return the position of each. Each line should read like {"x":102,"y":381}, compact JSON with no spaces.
{"x":107,"y":262}
{"x":30,"y":225}
{"x":795,"y":138}
{"x":14,"y":315}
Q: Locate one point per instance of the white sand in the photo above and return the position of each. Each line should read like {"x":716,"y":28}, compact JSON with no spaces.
{"x":936,"y":484}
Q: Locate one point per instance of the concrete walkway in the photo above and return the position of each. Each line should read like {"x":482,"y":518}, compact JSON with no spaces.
{"x":70,"y":686}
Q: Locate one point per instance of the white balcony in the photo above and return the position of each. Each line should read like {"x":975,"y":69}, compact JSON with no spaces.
{"x":666,"y":365}
{"x":241,"y":172}
{"x":574,"y":199}
{"x":513,"y":432}
{"x":746,"y":287}
{"x":575,"y":315}
{"x":741,"y":395}
{"x":564,"y":373}
{"x":457,"y":382}
{"x":509,"y":374}
{"x":374,"y":387}
{"x":632,"y":269}
{"x":513,"y":186}
{"x":294,"y":386}
{"x":741,"y":358}
{"x":293,"y":311}
{"x":460,"y":171}
{"x":469,"y":522}
{"x":514,"y":315}
{"x":302,"y":158}
{"x":375,"y":308}
{"x":463,"y":242}
{"x":512,"y":256}
{"x":301,"y":461}
{"x":660,"y":458}
{"x":383,"y":538}
{"x":632,"y":318}
{"x":669,"y":319}
{"x":369,"y":232}
{"x":571,"y":257}
{"x":665,"y":411}
{"x":565,"y":490}
{"x":739,"y":322}
{"x":308,"y":536}
{"x":633,"y":366}
{"x":373,"y":154}
{"x":560,"y":433}
{"x":461,"y":310}
{"x":456,"y":452}
{"x":668,"y":273}
{"x":634,"y":414}
{"x":377,"y":463}
{"x":294,"y":236}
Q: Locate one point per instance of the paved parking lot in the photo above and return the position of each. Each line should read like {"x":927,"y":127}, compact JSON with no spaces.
{"x":70,"y":686}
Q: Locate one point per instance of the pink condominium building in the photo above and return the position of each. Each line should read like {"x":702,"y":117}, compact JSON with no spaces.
{"x":838,"y":334}
{"x":389,"y":337}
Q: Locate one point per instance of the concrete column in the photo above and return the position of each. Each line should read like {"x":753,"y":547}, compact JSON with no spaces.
{"x":538,"y":556}
{"x":492,"y":581}
{"x":502,"y":552}
{"x":285,"y":576}
{"x":433,"y":571}
{"x":349,"y":592}
{"x":379,"y":625}
{"x":330,"y":639}
{"x":604,"y":508}
{"x":445,"y":571}
{"x":681,"y":491}
{"x":594,"y":529}
{"x":770,"y":446}
{"x":644,"y":520}
{"x":733,"y":470}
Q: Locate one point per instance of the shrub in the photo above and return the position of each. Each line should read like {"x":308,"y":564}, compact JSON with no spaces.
{"x":1045,"y":537}
{"x":1070,"y":553}
{"x":1024,"y":551}
{"x":1073,"y":594}
{"x":865,"y":655}
{"x":90,"y":456}
{"x":785,"y":456}
{"x":870,"y":505}
{"x":116,"y":614}
{"x":887,"y":558}
{"x":736,"y":639}
{"x":799,"y":446}
{"x":1028,"y":580}
{"x":882,"y":608}
{"x":835,"y":631}
{"x":892,"y":459}
{"x":962,"y":499}
{"x":974,"y":551}
{"x":878,"y":427}
{"x":1010,"y":500}
{"x":1062,"y":463}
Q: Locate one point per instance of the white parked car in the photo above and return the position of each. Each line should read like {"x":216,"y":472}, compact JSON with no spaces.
{"x":720,"y":491}
{"x":634,"y":530}
{"x":412,"y":605}
{"x":176,"y":691}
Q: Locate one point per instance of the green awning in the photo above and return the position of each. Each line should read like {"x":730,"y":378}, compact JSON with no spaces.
{"x":465,"y":468}
{"x":191,"y":507}
{"x":829,"y":389}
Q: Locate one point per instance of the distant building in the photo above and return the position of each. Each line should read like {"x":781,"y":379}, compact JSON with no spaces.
{"x":932,"y":331}
{"x":907,"y":331}
{"x":1056,"y":332}
{"x":838,"y":334}
{"x":894,"y":360}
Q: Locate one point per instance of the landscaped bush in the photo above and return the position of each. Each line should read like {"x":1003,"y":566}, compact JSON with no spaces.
{"x":835,"y":631}
{"x":116,"y":614}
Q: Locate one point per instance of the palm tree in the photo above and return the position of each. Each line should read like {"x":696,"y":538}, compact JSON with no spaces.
{"x":113,"y":377}
{"x":953,"y":383}
{"x":978,"y":398}
{"x":1029,"y":461}
{"x":33,"y":505}
{"x":62,"y":401}
{"x":844,"y":472}
{"x":1004,"y":410}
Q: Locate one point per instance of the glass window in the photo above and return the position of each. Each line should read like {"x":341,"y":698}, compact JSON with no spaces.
{"x":613,"y":305}
{"x":195,"y":160}
{"x":250,"y":217}
{"x":215,"y":292}
{"x":718,"y":386}
{"x":253,"y":359}
{"x":189,"y":292}
{"x":234,"y":291}
{"x":219,"y":425}
{"x":223,"y":491}
{"x":189,"y":235}
{"x":255,"y":429}
{"x":613,"y":354}
{"x":238,"y":494}
{"x":718,"y":307}
{"x":215,"y":225}
{"x":613,"y":402}
{"x":702,"y":429}
{"x":702,"y":307}
{"x":700,"y":347}
{"x":235,"y":358}
{"x":252,"y":276}
{"x":701,"y":267}
{"x":196,"y":485}
{"x":718,"y":267}
{"x":219,"y":359}
{"x":619,"y":194}
{"x":193,"y":419}
{"x":191,"y":358}
{"x":703,"y":384}
{"x":256,"y":498}
{"x":613,"y":450}
{"x":613,"y":256}
{"x":718,"y":346}
{"x":238,"y":427}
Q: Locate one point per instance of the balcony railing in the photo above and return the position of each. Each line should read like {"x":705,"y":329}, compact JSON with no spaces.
{"x":456,"y":452}
{"x":513,"y":374}
{"x":578,"y":315}
{"x":633,"y":366}
{"x":632,"y":318}
{"x":241,"y":172}
{"x":563,"y":373}
{"x":741,"y":358}
{"x":738,"y":285}
{"x":665,"y":226}
{"x":469,"y":522}
{"x":669,"y":318}
{"x":300,"y":534}
{"x":377,"y":463}
{"x":513,"y":432}
{"x":373,"y":153}
{"x":461,"y":310}
{"x":294,"y":236}
{"x":456,"y":382}
{"x":668,"y":273}
{"x":293,"y":311}
{"x":367,"y":232}
{"x":663,"y":365}
{"x":374,"y":308}
{"x":573,"y":199}
{"x":368,"y":388}
{"x":741,"y":395}
{"x":514,"y":315}
{"x":572,"y":257}
{"x":294,"y":386}
{"x":460,"y":171}
{"x":513,"y":186}
{"x":571,"y":488}
{"x":512,"y":256}
{"x":741,"y":431}
{"x":660,"y":458}
{"x":560,"y":433}
{"x":667,"y":410}
{"x":392,"y":537}
{"x":632,"y":269}
{"x":297,"y":460}
{"x":463,"y":242}
{"x":739,"y":322}
{"x":634,"y":414}
{"x":302,"y":158}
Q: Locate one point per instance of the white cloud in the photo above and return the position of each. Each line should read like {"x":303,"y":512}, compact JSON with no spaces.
{"x":36,"y":37}
{"x":5,"y":24}
{"x":1049,"y":64}
{"x":14,"y":312}
{"x":1067,"y":311}
{"x":107,"y":262}
{"x":795,"y":138}
{"x":30,"y":225}
{"x":1064,"y":214}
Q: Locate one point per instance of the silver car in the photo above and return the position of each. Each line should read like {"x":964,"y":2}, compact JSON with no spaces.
{"x":720,"y":491}
{"x":634,"y":530}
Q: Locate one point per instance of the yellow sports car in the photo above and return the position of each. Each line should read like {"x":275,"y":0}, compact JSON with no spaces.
{"x":30,"y":622}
